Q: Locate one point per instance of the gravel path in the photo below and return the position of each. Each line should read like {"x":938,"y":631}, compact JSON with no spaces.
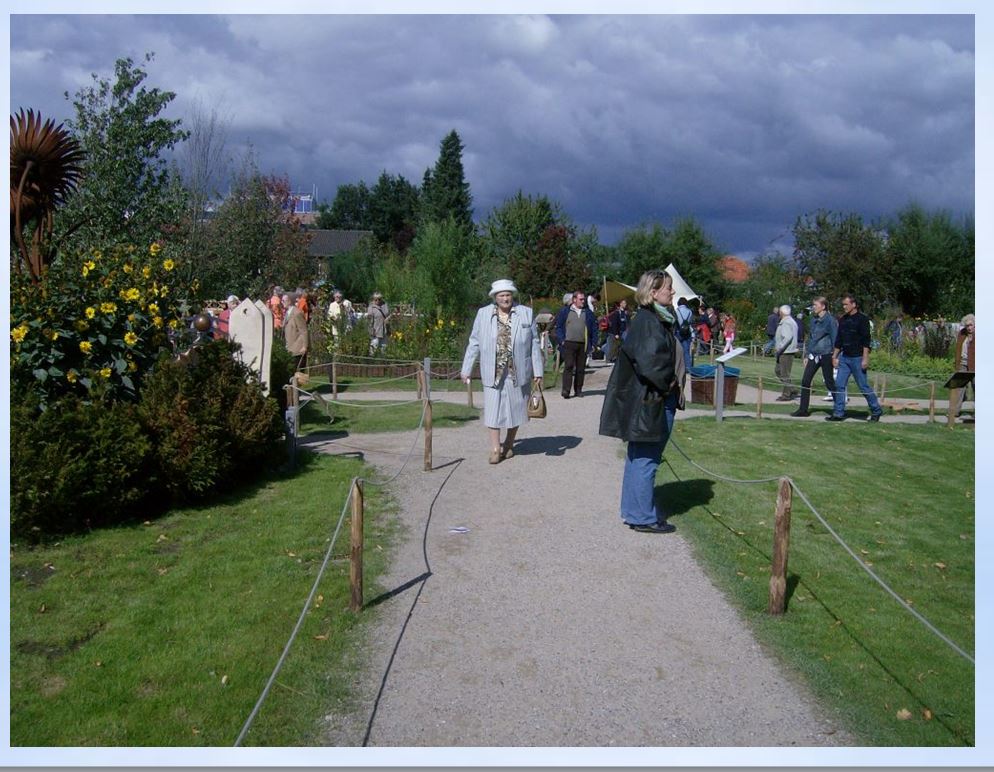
{"x":547,"y":623}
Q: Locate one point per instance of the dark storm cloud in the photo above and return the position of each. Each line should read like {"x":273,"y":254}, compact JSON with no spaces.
{"x":743,"y":122}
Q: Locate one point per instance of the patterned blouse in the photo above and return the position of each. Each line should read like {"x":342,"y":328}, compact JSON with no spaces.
{"x":505,"y":358}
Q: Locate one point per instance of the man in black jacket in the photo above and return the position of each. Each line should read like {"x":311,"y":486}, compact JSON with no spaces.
{"x":851,"y":355}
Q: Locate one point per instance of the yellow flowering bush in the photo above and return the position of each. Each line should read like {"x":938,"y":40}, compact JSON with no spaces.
{"x":94,"y":323}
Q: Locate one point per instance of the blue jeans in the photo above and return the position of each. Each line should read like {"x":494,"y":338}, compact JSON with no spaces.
{"x":853,"y":366}
{"x":638,"y":485}
{"x":688,"y":358}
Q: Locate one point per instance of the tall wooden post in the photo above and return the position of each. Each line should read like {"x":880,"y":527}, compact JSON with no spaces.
{"x":334,"y":378}
{"x":931,"y":402}
{"x":419,"y":377}
{"x":427,"y":435}
{"x":759,"y":398}
{"x":355,"y":553}
{"x":469,"y":392}
{"x":883,"y":387}
{"x":950,"y":412}
{"x":781,"y":542}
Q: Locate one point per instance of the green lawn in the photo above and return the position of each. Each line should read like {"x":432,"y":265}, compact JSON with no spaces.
{"x":165,"y":633}
{"x":902,"y":497}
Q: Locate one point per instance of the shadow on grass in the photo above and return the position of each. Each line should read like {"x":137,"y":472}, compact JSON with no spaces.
{"x":675,"y":498}
{"x":550,"y":446}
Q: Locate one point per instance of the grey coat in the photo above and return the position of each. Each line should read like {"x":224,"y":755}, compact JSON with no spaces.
{"x":525,"y":346}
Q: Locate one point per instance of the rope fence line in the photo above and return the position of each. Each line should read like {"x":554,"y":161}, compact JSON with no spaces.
{"x":320,"y":575}
{"x":839,"y":539}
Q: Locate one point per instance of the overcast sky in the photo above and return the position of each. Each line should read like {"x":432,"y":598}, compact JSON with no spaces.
{"x":743,"y":122}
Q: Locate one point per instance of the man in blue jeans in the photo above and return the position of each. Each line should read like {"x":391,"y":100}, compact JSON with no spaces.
{"x":851,"y":355}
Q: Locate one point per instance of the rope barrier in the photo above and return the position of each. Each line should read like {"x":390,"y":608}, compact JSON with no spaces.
{"x":839,"y":539}
{"x":317,"y":581}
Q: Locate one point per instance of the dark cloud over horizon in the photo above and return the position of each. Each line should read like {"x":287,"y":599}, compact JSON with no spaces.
{"x":743,"y":122}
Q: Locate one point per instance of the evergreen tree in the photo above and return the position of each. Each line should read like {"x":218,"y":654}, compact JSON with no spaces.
{"x":445,"y":192}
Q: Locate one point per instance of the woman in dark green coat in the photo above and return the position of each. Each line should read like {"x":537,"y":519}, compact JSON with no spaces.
{"x":643,"y":394}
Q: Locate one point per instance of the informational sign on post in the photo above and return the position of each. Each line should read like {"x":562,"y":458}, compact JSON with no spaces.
{"x":719,"y":380}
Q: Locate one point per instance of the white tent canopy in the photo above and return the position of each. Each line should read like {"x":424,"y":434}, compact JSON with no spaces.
{"x":615,"y":290}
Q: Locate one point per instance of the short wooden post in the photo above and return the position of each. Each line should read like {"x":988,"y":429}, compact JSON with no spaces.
{"x":931,"y":402}
{"x":883,"y":387}
{"x":427,"y":435}
{"x":781,"y":542}
{"x":759,"y":398}
{"x":876,"y":383}
{"x":419,"y":378}
{"x":355,"y":553}
{"x":334,"y":379}
{"x":950,"y":412}
{"x":469,"y":391}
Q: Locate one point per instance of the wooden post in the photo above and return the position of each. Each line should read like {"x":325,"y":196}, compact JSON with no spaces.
{"x":950,"y":413}
{"x":355,"y":553}
{"x":427,"y":435}
{"x":781,"y":541}
{"x":759,"y":398}
{"x":469,"y":392}
{"x":419,"y":378}
{"x":931,"y":402}
{"x":883,"y":387}
{"x":334,"y":378}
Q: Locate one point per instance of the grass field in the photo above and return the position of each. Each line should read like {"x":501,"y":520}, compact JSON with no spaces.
{"x":165,"y":633}
{"x":901,"y":496}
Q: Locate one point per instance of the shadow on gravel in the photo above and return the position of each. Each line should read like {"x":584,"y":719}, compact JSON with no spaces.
{"x":675,"y":498}
{"x":550,"y":446}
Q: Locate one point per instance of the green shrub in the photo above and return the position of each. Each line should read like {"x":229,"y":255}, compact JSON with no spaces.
{"x":908,"y":360}
{"x":210,"y":424}
{"x":94,"y":324}
{"x":75,"y":465}
{"x":282,"y":365}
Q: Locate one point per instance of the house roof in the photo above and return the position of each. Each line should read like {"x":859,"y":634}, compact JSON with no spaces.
{"x":326,"y":243}
{"x":734,"y":269}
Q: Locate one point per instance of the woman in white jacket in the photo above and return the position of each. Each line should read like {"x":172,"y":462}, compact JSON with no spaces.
{"x":506,"y":340}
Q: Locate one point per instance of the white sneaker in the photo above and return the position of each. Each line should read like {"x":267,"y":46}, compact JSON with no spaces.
{"x":828,"y":398}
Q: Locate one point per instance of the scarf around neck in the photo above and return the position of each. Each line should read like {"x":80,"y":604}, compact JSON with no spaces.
{"x":664,"y":313}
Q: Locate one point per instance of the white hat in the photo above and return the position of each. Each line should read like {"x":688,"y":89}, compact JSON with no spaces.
{"x":502,"y":285}
{"x":232,"y":299}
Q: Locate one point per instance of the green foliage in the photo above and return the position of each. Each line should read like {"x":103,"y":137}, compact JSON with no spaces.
{"x":844,"y":255}
{"x":445,"y":192}
{"x":94,"y":324}
{"x":74,"y":465}
{"x":937,"y":341}
{"x":772,"y":281}
{"x":933,"y":262}
{"x":535,"y":242}
{"x":349,"y":210}
{"x":410,"y":338}
{"x":686,"y":246}
{"x":393,"y":210}
{"x":355,"y":272}
{"x":282,"y":366}
{"x":254,"y":240}
{"x":128,"y":193}
{"x":210,"y":424}
{"x":911,"y":361}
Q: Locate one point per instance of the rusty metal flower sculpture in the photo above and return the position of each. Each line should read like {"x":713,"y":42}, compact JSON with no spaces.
{"x":45,"y":167}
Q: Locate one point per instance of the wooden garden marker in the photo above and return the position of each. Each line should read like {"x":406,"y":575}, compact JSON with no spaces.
{"x":427,"y":435}
{"x":355,"y":554}
{"x":759,"y":398}
{"x":931,"y":402}
{"x":781,"y":541}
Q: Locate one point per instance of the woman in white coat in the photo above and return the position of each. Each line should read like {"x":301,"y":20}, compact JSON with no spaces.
{"x":506,"y":340}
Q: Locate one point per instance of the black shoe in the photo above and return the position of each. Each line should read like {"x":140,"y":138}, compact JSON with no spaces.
{"x":874,"y":418}
{"x":578,"y":394}
{"x":564,"y":395}
{"x":835,"y":418}
{"x":800,"y":414}
{"x":784,"y":398}
{"x":653,"y":527}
